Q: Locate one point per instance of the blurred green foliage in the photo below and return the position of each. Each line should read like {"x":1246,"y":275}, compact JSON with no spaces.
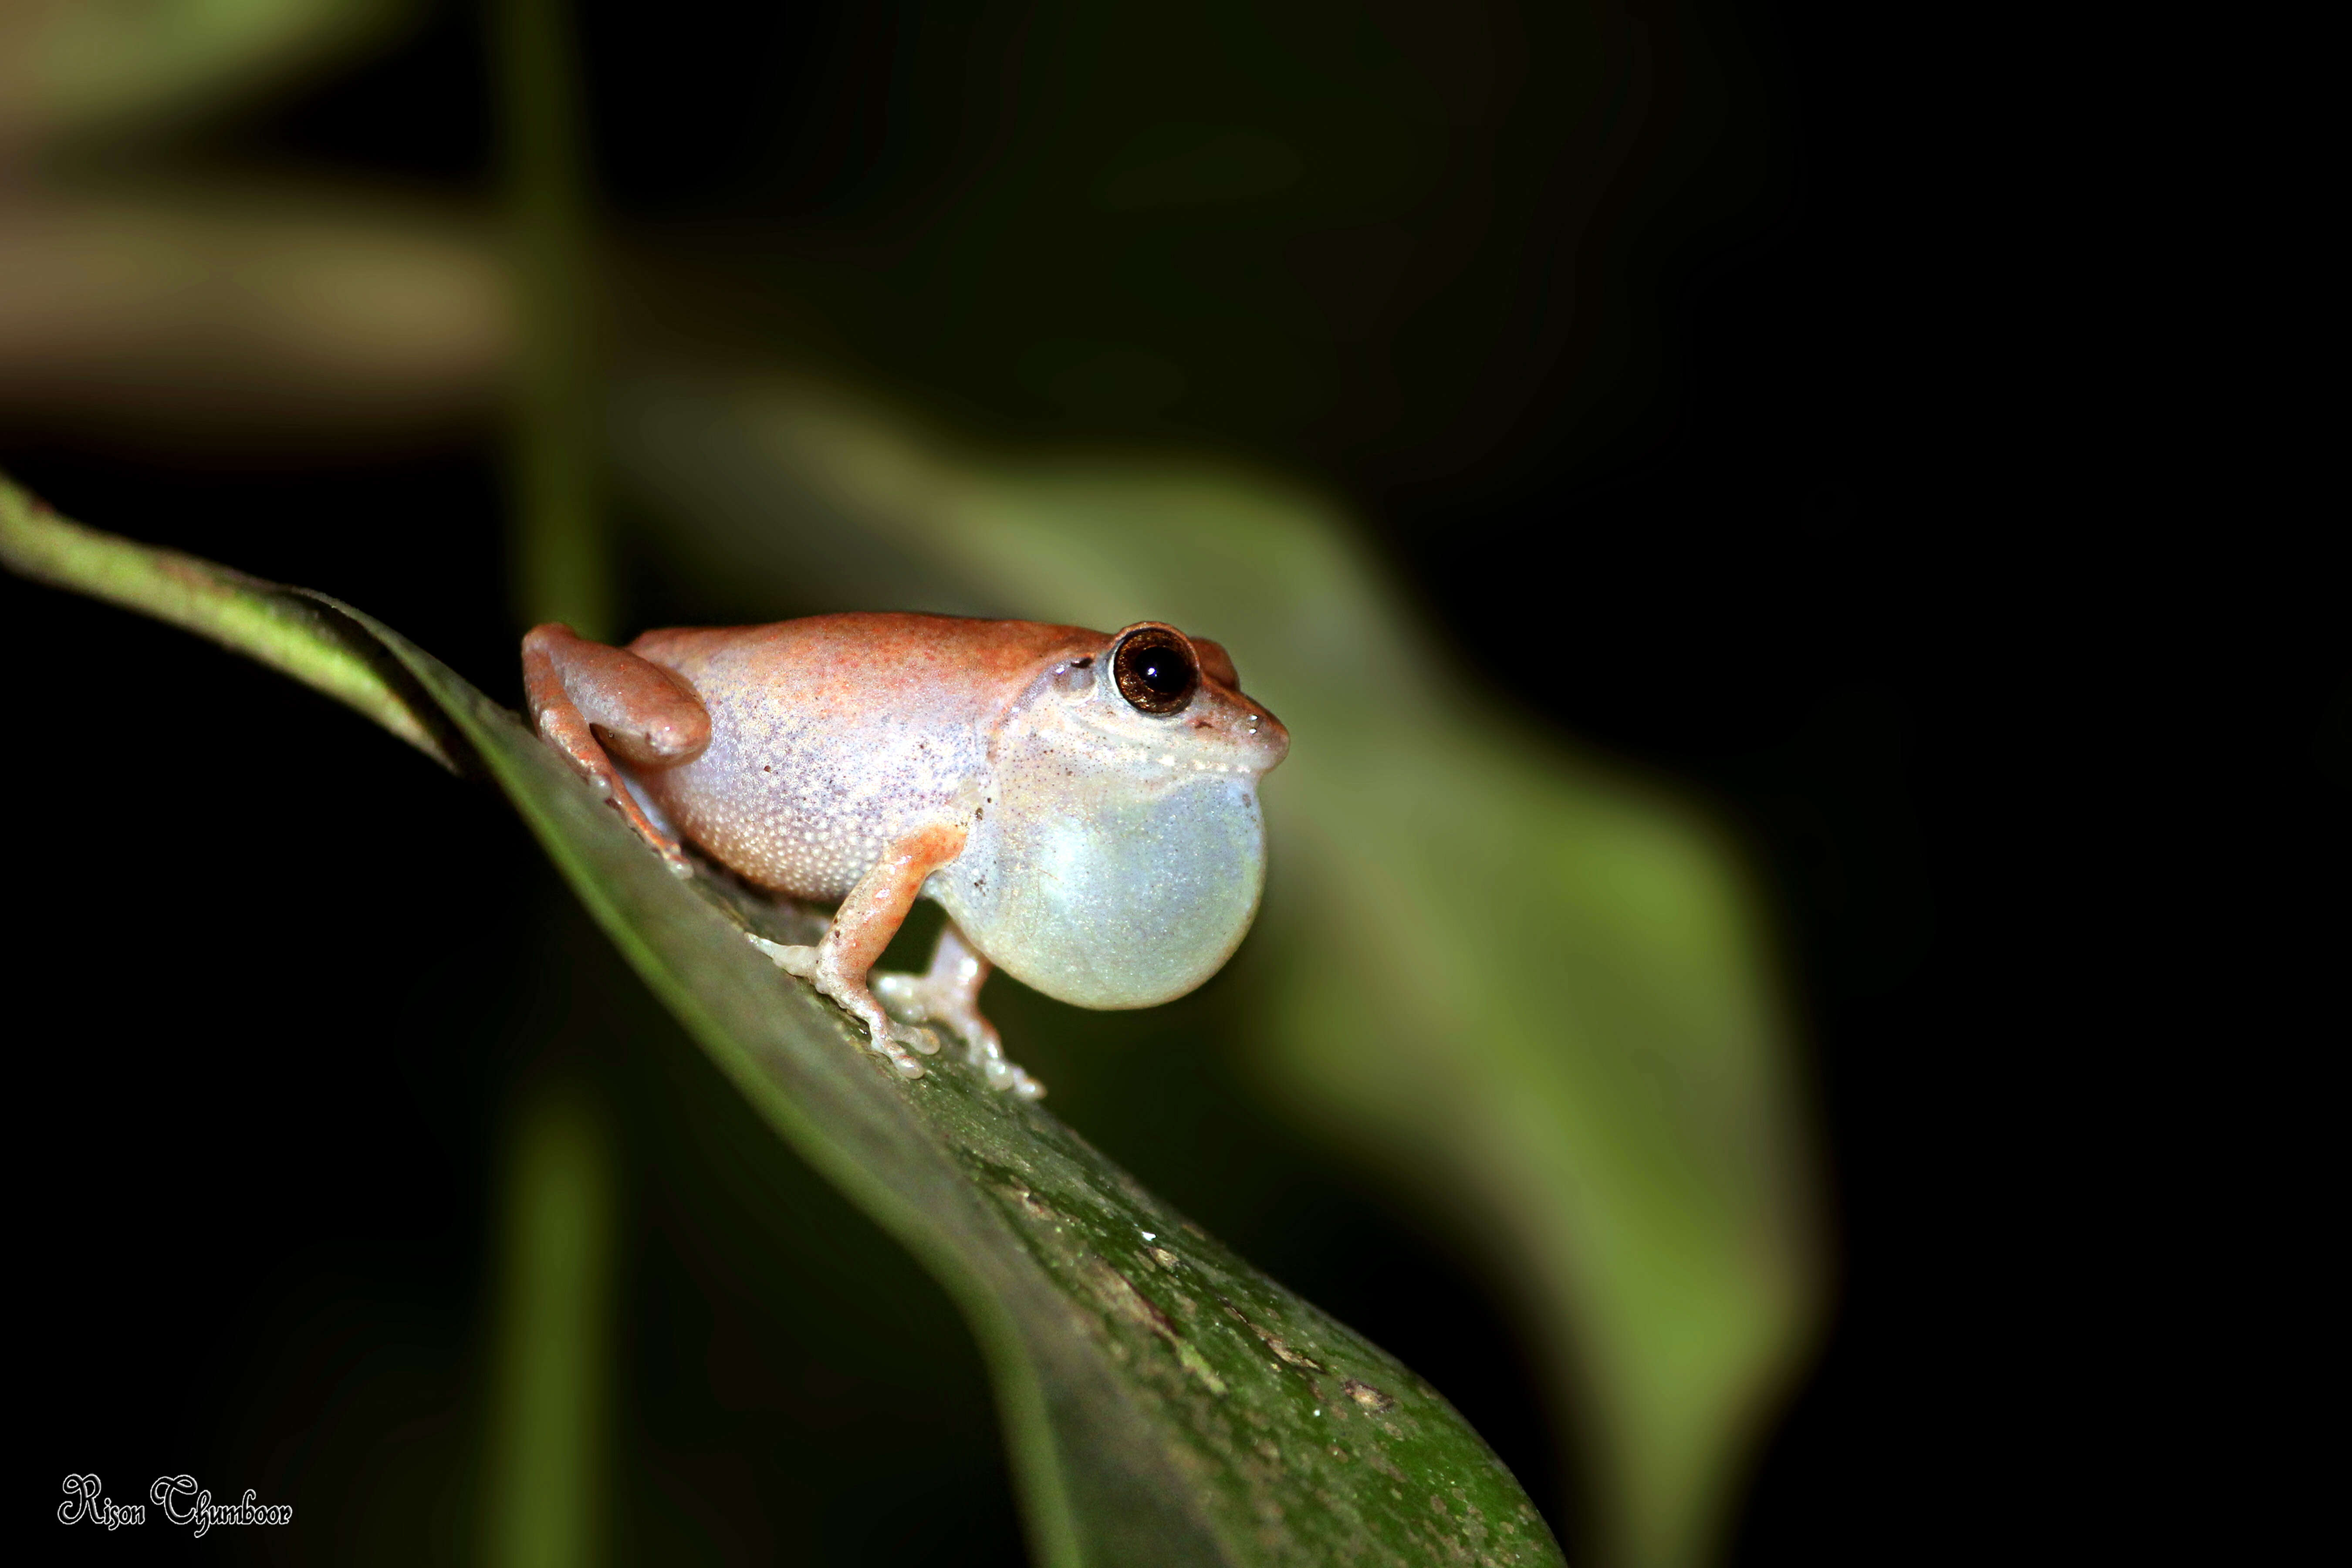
{"x":74,"y":67}
{"x":547,"y":1478}
{"x":564,"y":560}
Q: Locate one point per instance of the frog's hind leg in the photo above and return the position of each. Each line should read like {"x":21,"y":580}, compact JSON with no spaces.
{"x":949,"y":994}
{"x":594,"y":704}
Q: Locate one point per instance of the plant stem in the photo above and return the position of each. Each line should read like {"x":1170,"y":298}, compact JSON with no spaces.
{"x":561,"y":560}
{"x":550,"y":1403}
{"x":545,"y":1476}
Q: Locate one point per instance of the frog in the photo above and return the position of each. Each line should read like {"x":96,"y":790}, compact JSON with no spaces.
{"x":1083,"y":805}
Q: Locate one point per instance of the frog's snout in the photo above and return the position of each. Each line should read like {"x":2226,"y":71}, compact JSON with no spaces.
{"x":1264,"y":741}
{"x":1250,"y":737}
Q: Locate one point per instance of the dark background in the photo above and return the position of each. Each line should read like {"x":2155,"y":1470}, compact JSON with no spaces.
{"x":1673,"y":447}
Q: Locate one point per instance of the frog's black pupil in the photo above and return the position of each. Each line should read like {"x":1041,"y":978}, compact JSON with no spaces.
{"x":1160,"y":673}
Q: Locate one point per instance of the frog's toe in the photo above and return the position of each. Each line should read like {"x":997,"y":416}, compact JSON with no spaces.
{"x":887,"y":1047}
{"x":1003,"y":1077}
{"x":792,"y":960}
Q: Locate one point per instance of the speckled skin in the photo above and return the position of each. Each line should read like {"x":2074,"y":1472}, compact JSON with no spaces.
{"x":832,"y":738}
{"x":857,"y":757}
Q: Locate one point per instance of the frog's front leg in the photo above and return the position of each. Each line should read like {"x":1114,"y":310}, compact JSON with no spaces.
{"x":592,"y":702}
{"x":868,"y":918}
{"x":948,"y":992}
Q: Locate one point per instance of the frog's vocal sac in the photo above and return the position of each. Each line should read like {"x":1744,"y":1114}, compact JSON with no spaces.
{"x":1083,"y":807}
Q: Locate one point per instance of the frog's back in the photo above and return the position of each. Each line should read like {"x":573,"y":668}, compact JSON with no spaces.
{"x":831,"y":737}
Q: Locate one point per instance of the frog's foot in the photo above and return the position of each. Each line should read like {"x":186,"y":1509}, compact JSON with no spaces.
{"x":885,"y":1038}
{"x":949,"y":995}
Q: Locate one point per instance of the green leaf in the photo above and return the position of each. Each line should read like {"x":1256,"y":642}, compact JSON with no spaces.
{"x":1164,"y":1402}
{"x":107,"y":62}
{"x":1527,"y":993}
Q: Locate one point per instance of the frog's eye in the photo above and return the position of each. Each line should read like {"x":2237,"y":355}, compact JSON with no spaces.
{"x":1155,"y":670}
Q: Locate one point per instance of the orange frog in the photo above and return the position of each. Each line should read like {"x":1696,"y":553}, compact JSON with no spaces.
{"x":1085,"y":807}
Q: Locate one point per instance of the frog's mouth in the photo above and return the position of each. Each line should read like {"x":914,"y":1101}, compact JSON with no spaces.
{"x":1109,"y":898}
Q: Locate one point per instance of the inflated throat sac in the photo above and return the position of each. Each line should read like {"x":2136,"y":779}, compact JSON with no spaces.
{"x":1103,"y":892}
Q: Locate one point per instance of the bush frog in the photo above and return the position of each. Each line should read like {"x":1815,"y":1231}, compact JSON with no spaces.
{"x":1083,"y":807}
